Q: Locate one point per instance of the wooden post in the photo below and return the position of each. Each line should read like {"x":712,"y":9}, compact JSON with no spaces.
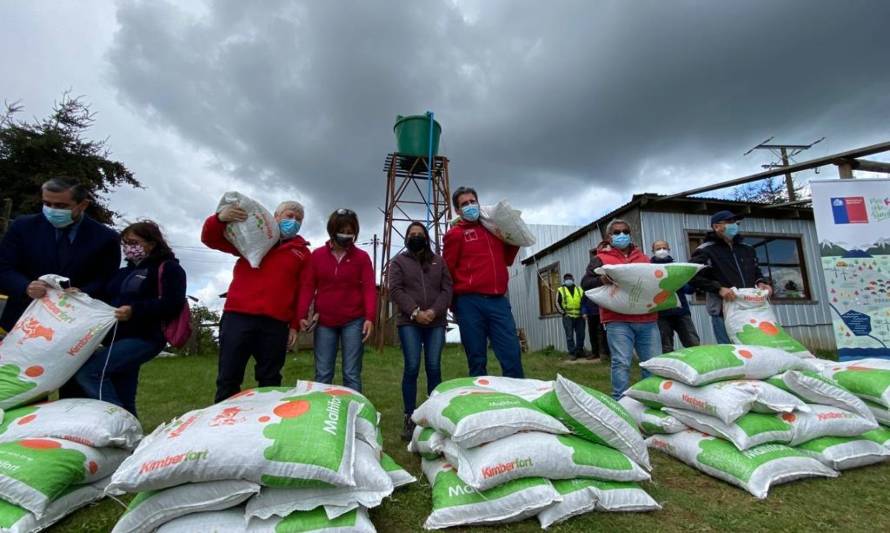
{"x":789,"y":181}
{"x":845,"y":171}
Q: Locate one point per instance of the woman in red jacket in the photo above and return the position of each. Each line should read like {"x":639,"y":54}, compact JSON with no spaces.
{"x":340,"y":279}
{"x":260,"y":315}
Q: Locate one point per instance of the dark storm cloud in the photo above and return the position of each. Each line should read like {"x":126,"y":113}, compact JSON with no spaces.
{"x":537,"y":100}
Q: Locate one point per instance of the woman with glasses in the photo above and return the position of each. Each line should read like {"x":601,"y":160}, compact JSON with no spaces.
{"x":624,"y":333}
{"x":420,"y":286}
{"x":148,"y":292}
{"x":340,"y":280}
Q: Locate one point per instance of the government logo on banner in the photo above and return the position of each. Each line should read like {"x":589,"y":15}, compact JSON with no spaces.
{"x":849,"y":210}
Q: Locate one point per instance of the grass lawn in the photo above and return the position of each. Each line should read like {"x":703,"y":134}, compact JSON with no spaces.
{"x":857,"y":501}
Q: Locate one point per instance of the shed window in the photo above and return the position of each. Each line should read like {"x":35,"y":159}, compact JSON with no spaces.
{"x":548,"y":282}
{"x":781,"y":258}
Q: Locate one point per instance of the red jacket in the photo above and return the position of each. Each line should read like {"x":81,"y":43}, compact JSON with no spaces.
{"x":270,"y":290}
{"x":343,"y":291}
{"x":606,"y":254}
{"x":477,"y":260}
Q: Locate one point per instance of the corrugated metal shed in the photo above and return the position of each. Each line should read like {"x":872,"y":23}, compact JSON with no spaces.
{"x":810,"y":322}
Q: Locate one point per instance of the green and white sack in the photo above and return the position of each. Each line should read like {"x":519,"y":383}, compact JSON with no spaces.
{"x":816,"y":388}
{"x":535,"y":454}
{"x":750,"y":320}
{"x":232,"y":521}
{"x":91,"y":422}
{"x":15,"y":519}
{"x":641,"y":288}
{"x":651,"y":420}
{"x":867,"y":378}
{"x":254,"y":237}
{"x":426,"y":442}
{"x":525,"y":388}
{"x":472,"y":416}
{"x":372,"y":485}
{"x":754,"y":470}
{"x":367,"y":424}
{"x":726,"y":400}
{"x":35,"y":472}
{"x":150,"y":510}
{"x":581,"y":496}
{"x":748,"y":431}
{"x":880,"y":413}
{"x":596,"y":417}
{"x":398,"y":475}
{"x":773,"y":399}
{"x":271,"y":436}
{"x":456,"y":504}
{"x":50,"y":342}
{"x":701,"y":365}
{"x":844,"y":453}
{"x":880,"y":435}
{"x":826,"y":421}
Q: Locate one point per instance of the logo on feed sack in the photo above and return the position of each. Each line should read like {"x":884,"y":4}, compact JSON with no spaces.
{"x":503,"y":468}
{"x":33,"y":329}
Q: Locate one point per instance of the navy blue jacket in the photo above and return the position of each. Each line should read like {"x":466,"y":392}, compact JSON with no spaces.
{"x":137,"y":286}
{"x":588,"y":307}
{"x":681,"y":294}
{"x":29,"y":250}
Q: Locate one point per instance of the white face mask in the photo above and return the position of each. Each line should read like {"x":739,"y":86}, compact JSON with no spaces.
{"x":661,"y":254}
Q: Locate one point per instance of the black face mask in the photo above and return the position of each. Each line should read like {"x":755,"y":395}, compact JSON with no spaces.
{"x":416,"y":243}
{"x":344,"y":240}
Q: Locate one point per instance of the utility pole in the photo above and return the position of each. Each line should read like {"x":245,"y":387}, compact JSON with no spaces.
{"x":375,"y":242}
{"x":784,"y":152}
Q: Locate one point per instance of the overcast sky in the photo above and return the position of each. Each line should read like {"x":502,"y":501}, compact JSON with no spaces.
{"x":564,"y":108}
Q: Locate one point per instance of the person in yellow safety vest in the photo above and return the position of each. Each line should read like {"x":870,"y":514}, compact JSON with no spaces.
{"x":568,"y":303}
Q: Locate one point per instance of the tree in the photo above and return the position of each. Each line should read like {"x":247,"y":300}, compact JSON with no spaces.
{"x":766,"y":191}
{"x":32,"y":152}
{"x":205,"y":323}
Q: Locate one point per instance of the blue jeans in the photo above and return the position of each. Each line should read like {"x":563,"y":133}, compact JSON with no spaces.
{"x":623,"y":337}
{"x":720,"y":330}
{"x":480,"y":318}
{"x":326,"y":341}
{"x":413,"y":338}
{"x":122,"y":372}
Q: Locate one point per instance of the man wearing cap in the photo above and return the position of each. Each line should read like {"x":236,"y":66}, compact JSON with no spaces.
{"x":568,"y":303}
{"x":733,"y":264}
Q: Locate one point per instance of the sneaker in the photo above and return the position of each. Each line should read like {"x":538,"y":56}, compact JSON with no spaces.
{"x":408,"y":430}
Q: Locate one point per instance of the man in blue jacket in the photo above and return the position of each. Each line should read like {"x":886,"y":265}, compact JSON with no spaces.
{"x":677,"y":320}
{"x":61,"y":240}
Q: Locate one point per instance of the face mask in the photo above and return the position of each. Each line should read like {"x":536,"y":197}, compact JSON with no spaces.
{"x":343,"y":239}
{"x":134,"y":252}
{"x":731,"y":230}
{"x":416,"y":243}
{"x":289,"y":228}
{"x":470,"y":212}
{"x":621,"y":241}
{"x":661,"y":254}
{"x":59,"y":218}
{"x":569,"y":282}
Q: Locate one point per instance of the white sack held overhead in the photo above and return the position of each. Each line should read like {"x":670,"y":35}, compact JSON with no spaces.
{"x":750,"y":320}
{"x":50,"y":342}
{"x":92,"y":422}
{"x":754,"y":470}
{"x":254,"y":237}
{"x":506,"y":224}
{"x":641,"y":288}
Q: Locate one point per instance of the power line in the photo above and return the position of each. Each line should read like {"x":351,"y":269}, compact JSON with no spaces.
{"x":785,"y":153}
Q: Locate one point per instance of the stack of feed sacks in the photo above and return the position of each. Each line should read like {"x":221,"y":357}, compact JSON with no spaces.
{"x":305,"y":458}
{"x":58,"y":456}
{"x":499,"y":450}
{"x":748,"y":427}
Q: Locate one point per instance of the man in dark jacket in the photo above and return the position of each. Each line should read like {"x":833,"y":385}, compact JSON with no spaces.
{"x":732,"y":264}
{"x":679,"y":319}
{"x":61,"y":240}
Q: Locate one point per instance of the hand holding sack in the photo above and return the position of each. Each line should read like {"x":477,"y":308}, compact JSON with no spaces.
{"x":255,"y":236}
{"x":642,"y":288}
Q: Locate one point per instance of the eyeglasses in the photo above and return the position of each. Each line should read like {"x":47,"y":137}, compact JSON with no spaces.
{"x":344,"y":211}
{"x":620,"y":231}
{"x":468,"y":202}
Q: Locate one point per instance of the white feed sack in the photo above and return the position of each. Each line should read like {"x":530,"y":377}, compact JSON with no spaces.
{"x":255,"y":236}
{"x":506,"y":224}
{"x":750,"y":320}
{"x":641,"y":288}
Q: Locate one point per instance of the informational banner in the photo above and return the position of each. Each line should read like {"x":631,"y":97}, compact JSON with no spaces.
{"x":853,"y":224}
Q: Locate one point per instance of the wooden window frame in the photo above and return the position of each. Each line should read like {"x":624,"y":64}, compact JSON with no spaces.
{"x":542,"y":272}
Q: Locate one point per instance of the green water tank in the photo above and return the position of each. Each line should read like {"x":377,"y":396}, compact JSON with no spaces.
{"x":413,"y":135}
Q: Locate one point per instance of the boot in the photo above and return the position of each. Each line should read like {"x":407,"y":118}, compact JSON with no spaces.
{"x":408,"y":430}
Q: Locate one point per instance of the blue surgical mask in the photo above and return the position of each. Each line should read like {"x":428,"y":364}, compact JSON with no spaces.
{"x":470,"y":212}
{"x":731,"y":230}
{"x":289,"y":228}
{"x":621,"y":241}
{"x":59,"y":218}
{"x":569,"y":282}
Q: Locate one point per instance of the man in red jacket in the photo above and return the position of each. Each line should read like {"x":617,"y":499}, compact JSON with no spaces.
{"x":478,"y":261}
{"x":624,"y":333}
{"x":260,"y":315}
